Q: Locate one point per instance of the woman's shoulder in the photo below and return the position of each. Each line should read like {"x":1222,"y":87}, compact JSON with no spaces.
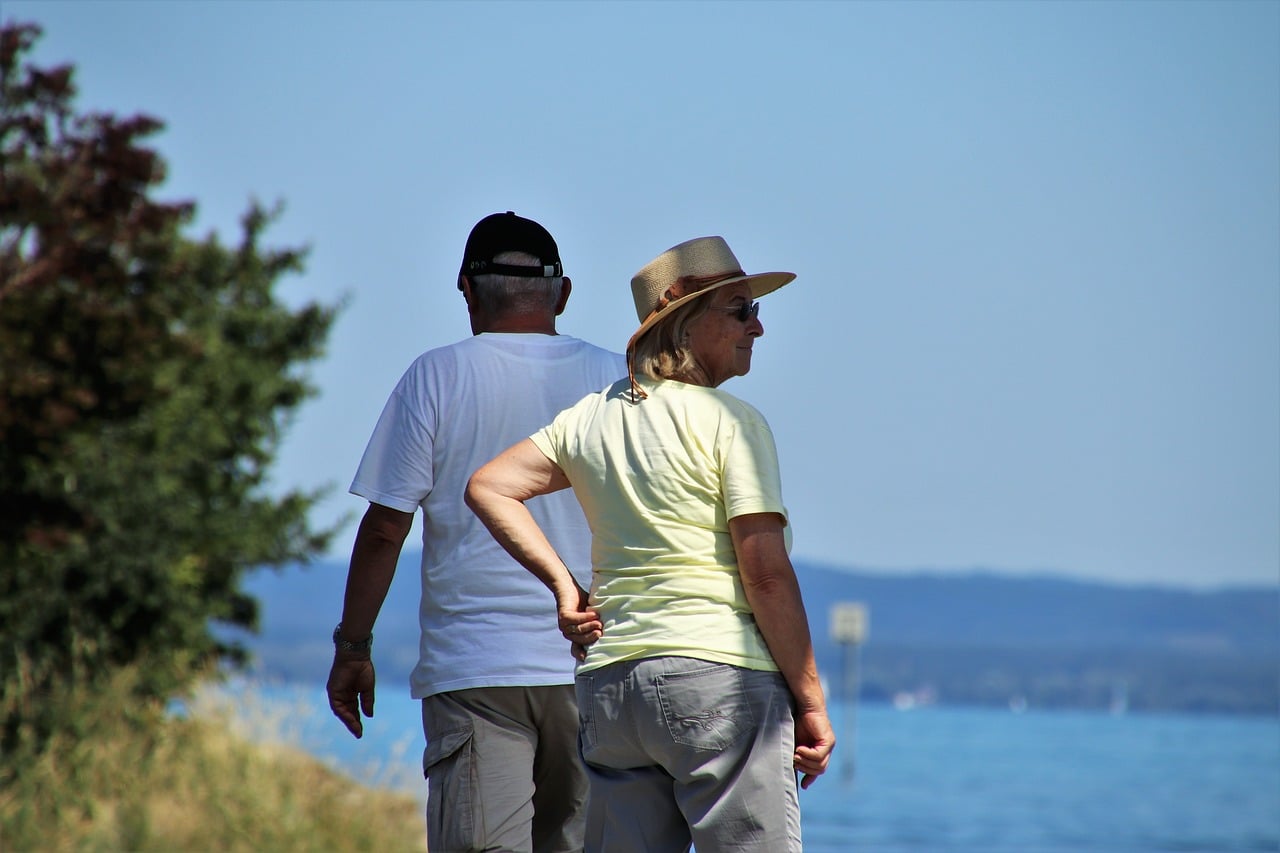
{"x":717,"y":402}
{"x":737,"y":404}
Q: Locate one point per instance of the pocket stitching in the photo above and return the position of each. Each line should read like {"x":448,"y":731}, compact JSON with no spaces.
{"x":738,"y":721}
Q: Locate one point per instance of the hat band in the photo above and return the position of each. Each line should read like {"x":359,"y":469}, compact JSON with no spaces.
{"x":687,"y":285}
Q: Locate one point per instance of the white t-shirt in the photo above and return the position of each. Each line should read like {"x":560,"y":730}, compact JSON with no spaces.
{"x":659,"y":481}
{"x":486,"y":621}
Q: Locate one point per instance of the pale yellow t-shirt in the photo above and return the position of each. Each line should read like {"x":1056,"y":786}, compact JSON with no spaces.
{"x":658,"y":482}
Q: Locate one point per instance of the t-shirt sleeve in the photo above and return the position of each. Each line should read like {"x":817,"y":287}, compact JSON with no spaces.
{"x":552,"y":439}
{"x":396,"y":468}
{"x":751,"y":481}
{"x":544,"y":440}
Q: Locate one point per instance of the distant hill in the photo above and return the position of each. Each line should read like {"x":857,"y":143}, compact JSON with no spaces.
{"x":983,"y":609}
{"x":973,"y":638}
{"x":987,"y":639}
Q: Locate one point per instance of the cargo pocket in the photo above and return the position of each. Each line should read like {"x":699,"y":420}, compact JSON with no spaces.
{"x":449,"y":766}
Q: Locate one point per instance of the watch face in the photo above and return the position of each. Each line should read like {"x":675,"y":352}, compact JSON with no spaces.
{"x":347,"y":645}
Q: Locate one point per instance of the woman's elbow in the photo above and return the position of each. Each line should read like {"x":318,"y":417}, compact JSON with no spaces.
{"x":767,"y":582}
{"x":478,"y":489}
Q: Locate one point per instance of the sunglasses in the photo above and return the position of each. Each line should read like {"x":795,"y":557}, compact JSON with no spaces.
{"x":746,"y":312}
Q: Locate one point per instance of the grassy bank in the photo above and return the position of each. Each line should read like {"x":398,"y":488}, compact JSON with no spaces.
{"x":118,"y":777}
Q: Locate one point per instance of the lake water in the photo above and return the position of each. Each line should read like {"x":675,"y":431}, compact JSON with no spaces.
{"x":933,"y":779}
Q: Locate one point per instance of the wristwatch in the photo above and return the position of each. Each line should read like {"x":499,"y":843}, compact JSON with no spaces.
{"x":363,"y":647}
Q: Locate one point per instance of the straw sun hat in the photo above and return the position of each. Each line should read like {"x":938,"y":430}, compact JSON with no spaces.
{"x":685,"y":272}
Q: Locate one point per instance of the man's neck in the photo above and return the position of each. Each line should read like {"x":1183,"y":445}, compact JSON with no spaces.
{"x":522,"y":325}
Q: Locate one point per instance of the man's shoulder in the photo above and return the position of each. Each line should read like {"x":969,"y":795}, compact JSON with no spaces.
{"x":437,"y":355}
{"x":543,"y":346}
{"x":595,"y":350}
{"x":430,"y":368}
{"x":507,"y":350}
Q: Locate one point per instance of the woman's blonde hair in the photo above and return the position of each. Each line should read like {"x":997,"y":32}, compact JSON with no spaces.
{"x":663,"y":352}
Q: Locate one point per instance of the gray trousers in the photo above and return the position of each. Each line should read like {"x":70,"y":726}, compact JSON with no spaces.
{"x":682,"y":751}
{"x":503,"y":770}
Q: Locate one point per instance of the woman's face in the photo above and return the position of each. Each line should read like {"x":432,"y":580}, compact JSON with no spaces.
{"x":719,"y":341}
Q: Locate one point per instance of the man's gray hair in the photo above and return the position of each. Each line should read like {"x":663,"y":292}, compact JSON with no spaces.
{"x":505,"y":294}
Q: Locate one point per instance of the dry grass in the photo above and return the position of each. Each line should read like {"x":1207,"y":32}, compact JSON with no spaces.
{"x":119,"y":778}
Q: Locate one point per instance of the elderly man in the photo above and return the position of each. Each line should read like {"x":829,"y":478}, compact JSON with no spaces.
{"x":493,"y":674}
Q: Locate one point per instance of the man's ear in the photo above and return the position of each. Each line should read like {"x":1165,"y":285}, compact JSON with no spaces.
{"x":564,"y":296}
{"x":464,"y":284}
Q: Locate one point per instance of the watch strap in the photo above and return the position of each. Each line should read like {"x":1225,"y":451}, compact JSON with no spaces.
{"x":342,"y":644}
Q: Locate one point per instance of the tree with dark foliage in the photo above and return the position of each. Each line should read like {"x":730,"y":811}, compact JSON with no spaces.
{"x":145,"y":379}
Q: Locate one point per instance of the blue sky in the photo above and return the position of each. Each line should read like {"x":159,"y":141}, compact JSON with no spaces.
{"x":1036,"y":324}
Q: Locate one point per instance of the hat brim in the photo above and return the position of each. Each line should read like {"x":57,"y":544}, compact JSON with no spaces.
{"x":760,"y":284}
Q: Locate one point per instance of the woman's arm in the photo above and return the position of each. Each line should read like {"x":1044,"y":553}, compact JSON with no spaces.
{"x":496,"y":494}
{"x":774,"y":595}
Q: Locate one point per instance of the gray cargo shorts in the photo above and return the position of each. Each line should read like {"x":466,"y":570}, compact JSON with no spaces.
{"x":682,"y":751}
{"x":503,"y":770}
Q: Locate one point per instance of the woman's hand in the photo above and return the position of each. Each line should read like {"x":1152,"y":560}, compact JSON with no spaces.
{"x":579,"y":623}
{"x":814,"y":742}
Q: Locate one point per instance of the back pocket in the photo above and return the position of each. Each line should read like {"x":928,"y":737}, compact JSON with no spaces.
{"x":585,"y":693}
{"x":706,"y":707}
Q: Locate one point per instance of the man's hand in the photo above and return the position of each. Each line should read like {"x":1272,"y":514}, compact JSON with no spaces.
{"x":814,"y":742}
{"x":350,"y":689}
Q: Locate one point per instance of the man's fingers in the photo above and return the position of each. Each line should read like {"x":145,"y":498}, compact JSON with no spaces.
{"x":346,"y":712}
{"x":350,"y":690}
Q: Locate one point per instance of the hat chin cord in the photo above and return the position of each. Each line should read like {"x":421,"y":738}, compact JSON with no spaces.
{"x":637,"y":393}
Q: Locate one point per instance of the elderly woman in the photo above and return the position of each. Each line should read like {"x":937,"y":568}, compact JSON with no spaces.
{"x":698,"y":695}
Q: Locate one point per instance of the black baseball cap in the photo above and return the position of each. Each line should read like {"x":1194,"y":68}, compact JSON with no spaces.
{"x":506,"y":232}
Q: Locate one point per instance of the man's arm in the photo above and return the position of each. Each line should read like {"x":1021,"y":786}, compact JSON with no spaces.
{"x":374,"y":556}
{"x":774,"y":595}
